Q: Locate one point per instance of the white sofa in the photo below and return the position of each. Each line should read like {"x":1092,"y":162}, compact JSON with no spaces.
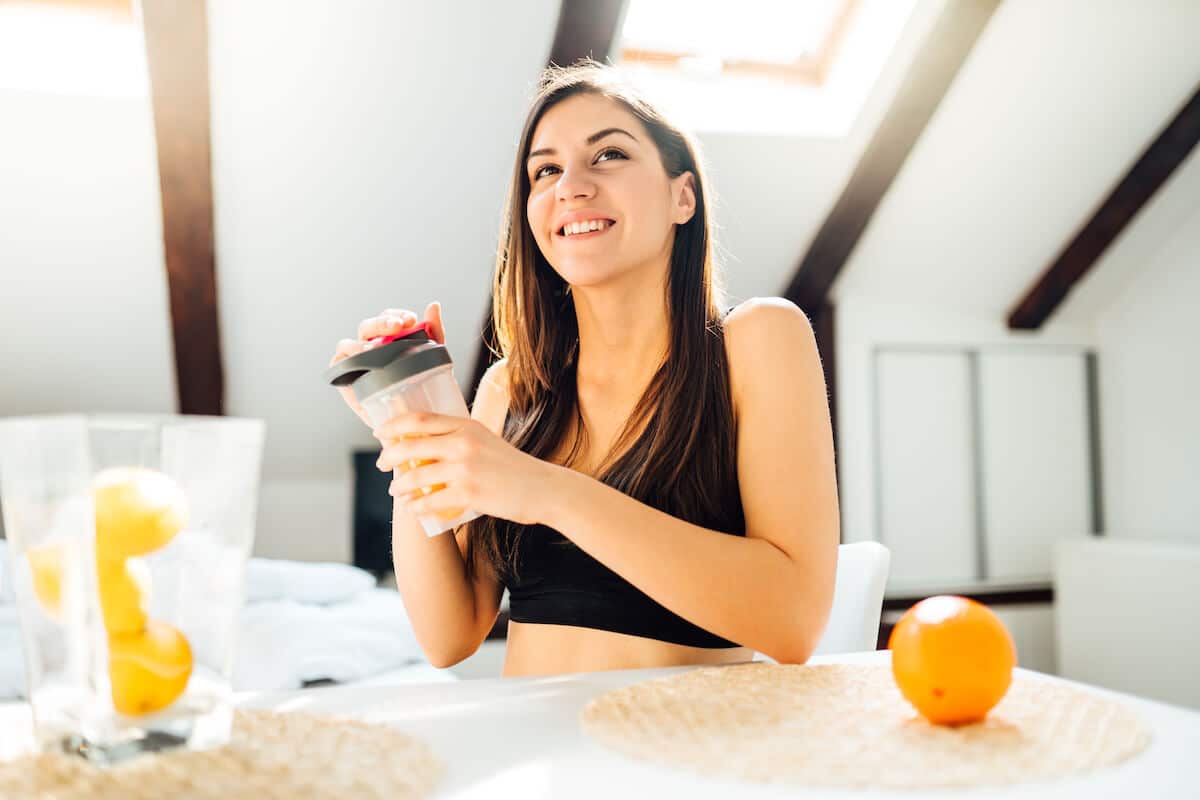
{"x":1127,"y":616}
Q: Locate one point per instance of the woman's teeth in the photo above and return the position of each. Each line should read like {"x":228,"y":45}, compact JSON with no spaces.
{"x":572,"y":228}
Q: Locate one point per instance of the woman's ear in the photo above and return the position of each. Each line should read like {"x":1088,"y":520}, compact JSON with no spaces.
{"x":683,"y":192}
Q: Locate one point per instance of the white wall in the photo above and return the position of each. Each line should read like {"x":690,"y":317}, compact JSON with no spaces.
{"x":83,"y":296}
{"x":1149,"y":350}
{"x":864,"y":322}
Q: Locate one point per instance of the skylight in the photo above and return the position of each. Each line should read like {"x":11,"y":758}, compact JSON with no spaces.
{"x":72,"y":47}
{"x":796,"y":67}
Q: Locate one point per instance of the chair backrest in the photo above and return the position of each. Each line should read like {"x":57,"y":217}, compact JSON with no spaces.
{"x":862,"y":573}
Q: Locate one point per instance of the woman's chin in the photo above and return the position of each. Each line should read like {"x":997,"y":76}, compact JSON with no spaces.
{"x":588,"y":276}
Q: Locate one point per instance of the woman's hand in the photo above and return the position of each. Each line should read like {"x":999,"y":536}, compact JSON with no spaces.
{"x":391,"y":320}
{"x":479,"y":470}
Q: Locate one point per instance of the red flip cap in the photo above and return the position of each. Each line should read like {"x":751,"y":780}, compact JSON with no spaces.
{"x":379,"y":341}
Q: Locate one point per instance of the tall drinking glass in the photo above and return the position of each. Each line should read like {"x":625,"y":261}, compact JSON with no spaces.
{"x":129,"y":536}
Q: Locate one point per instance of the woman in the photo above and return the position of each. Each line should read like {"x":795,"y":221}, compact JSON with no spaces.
{"x":656,"y":479}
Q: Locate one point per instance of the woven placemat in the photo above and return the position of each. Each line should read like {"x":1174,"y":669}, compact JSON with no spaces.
{"x":840,"y":725}
{"x":270,"y":755}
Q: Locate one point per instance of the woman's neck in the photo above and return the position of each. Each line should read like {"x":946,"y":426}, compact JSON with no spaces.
{"x":624,"y":334}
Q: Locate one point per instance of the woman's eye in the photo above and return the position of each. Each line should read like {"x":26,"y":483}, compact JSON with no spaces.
{"x":603,"y":155}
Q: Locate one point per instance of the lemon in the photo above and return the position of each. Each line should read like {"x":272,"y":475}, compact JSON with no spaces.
{"x":124,"y":593}
{"x":137,"y":511}
{"x":46,"y":564}
{"x":150,"y":669}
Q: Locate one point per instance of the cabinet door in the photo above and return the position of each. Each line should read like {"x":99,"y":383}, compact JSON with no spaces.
{"x":1036,"y":472}
{"x":925,"y":474}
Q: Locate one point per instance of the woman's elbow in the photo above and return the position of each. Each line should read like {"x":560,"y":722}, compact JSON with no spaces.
{"x":793,"y":652}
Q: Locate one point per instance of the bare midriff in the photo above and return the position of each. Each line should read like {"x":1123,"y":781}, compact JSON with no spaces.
{"x":537,"y":649}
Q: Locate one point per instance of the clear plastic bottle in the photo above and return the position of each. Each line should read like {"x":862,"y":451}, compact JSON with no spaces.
{"x":405,"y":372}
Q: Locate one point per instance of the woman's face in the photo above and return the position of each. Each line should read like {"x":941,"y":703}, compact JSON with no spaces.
{"x":592,"y":163}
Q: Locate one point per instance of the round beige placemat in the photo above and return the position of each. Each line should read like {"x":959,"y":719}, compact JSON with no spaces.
{"x":270,"y":755}
{"x":839,"y":725}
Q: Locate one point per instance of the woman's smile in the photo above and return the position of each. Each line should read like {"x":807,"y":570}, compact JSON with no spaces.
{"x":577,"y":231}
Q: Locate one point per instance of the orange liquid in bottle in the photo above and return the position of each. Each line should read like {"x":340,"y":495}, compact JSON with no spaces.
{"x":445,"y":515}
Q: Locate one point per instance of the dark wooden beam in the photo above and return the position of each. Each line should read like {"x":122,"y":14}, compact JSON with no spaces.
{"x":1149,"y":172}
{"x":177,"y":55}
{"x":926,"y":83}
{"x":586,"y":29}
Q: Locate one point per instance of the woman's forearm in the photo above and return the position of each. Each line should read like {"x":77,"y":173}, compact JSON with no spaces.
{"x":439,"y":597}
{"x":746,"y":590}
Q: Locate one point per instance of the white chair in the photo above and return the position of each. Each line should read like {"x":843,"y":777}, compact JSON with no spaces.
{"x":862,"y":573}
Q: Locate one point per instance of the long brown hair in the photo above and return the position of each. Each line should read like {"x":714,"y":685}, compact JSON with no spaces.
{"x":684,"y":460}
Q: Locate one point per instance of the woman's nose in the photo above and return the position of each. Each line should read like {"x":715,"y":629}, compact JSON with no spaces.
{"x":573,"y":184}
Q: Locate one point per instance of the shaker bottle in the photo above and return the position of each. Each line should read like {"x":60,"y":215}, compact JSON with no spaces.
{"x":406,"y":371}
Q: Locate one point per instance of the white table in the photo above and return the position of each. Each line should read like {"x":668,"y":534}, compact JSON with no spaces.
{"x":520,"y":737}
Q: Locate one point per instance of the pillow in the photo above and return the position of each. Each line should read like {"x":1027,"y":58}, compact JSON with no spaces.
{"x":307,"y":583}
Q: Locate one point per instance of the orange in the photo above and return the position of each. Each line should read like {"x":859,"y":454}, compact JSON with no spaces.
{"x":137,"y":511}
{"x":150,"y":669}
{"x":46,"y":564}
{"x":952,"y":658}
{"x":124,"y":592}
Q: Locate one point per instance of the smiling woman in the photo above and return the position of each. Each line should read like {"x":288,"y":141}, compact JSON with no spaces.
{"x":655,"y":476}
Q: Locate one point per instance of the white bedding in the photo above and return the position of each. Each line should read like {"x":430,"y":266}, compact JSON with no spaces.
{"x":301,"y":623}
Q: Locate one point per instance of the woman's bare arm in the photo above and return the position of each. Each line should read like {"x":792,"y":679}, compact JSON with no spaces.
{"x":771,"y":590}
{"x":451,"y":614}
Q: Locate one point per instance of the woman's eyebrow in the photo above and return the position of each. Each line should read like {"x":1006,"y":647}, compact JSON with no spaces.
{"x":595,"y":137}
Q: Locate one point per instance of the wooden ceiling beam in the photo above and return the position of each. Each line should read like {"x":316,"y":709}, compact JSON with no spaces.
{"x":1139,"y":184}
{"x":176,"y":34}
{"x":929,"y":77}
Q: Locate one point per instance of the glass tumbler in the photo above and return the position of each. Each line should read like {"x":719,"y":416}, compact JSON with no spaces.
{"x":129,"y":536}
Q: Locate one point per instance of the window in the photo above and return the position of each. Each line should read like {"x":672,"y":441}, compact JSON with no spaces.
{"x":797,"y":67}
{"x":88,"y":47}
{"x":793,"y":42}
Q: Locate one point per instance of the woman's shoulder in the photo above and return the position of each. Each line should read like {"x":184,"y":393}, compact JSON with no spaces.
{"x":766,"y":322}
{"x":762,"y":335}
{"x":491,"y":397}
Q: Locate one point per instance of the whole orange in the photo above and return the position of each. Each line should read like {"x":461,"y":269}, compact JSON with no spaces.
{"x":952,"y":658}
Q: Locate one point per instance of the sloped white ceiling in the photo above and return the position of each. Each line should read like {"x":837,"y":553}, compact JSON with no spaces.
{"x":1051,"y":108}
{"x":83,"y":296}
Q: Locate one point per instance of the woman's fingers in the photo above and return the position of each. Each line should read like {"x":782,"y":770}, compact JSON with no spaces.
{"x":390,"y":321}
{"x":422,"y":478}
{"x":404,"y":451}
{"x":433,"y":315}
{"x":345,"y":349}
{"x":418,"y":423}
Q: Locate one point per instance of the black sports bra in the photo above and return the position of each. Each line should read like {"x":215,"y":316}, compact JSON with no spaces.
{"x":557,"y":583}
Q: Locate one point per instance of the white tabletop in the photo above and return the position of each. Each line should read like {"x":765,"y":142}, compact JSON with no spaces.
{"x":520,"y":737}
